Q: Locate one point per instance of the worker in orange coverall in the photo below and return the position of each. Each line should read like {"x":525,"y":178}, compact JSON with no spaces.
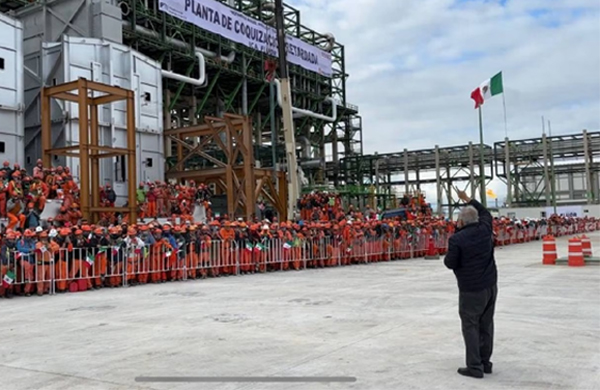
{"x":45,"y":251}
{"x":3,"y":194}
{"x":159,"y":257}
{"x":205,"y":250}
{"x":15,"y":206}
{"x":63,"y":259}
{"x":228,"y":236}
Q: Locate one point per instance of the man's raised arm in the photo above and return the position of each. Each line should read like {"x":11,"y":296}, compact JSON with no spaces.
{"x":485,"y":217}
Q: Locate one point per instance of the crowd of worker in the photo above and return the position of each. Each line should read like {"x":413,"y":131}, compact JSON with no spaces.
{"x":327,"y":206}
{"x":72,"y":254}
{"x":23,"y":198}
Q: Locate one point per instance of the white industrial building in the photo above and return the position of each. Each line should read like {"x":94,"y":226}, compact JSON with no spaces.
{"x":40,"y":49}
{"x":113,"y":64}
{"x":11,"y":90}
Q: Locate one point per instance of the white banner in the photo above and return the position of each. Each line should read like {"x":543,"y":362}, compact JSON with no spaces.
{"x":223,"y":20}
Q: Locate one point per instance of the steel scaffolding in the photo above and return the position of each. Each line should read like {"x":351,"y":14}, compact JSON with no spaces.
{"x":90,"y":97}
{"x":447,"y":167}
{"x":531,"y":168}
{"x":236,"y":75}
{"x":237,"y":81}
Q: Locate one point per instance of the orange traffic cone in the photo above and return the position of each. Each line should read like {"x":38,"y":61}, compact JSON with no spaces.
{"x":586,"y":246}
{"x":575,"y":253}
{"x":549,"y":250}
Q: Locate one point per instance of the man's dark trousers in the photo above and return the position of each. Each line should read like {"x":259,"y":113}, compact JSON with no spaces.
{"x":476,"y":310}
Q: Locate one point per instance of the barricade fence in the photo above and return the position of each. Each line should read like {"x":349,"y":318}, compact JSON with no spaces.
{"x":45,"y":268}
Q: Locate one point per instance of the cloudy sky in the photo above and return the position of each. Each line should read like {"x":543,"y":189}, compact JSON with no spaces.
{"x":414,"y":63}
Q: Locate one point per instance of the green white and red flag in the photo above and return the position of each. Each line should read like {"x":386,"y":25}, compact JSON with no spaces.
{"x":490,"y":87}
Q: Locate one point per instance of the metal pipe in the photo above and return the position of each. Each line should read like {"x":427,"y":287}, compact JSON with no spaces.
{"x":176,"y":42}
{"x":312,"y":114}
{"x":200,"y":81}
{"x":329,"y":42}
{"x":305,"y":147}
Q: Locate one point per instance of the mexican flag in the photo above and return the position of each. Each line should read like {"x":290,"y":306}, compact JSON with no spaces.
{"x":249,"y":246}
{"x":259,"y":247}
{"x":487,"y":89}
{"x":8,"y":279}
{"x":89,"y":261}
{"x":287,"y":245}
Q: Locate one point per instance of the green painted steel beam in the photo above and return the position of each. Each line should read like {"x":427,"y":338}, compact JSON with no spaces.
{"x":209,"y":90}
{"x":257,"y":97}
{"x":181,"y":86}
{"x":231,"y":97}
{"x":266,"y":123}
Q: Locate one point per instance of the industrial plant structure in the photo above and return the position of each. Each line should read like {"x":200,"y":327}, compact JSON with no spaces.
{"x":180,"y":74}
{"x":206,"y":106}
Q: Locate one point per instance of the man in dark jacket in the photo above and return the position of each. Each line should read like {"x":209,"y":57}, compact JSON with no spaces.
{"x":471,"y":257}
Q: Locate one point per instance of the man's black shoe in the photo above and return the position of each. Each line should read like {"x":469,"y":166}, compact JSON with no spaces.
{"x":487,"y":368}
{"x":465,"y":371}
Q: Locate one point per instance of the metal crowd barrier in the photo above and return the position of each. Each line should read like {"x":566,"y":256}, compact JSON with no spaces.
{"x":48,"y":271}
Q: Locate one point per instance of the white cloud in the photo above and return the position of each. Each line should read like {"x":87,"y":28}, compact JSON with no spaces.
{"x":414,"y":63}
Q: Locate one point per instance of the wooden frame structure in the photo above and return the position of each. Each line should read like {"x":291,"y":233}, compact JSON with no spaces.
{"x":237,"y":175}
{"x":89,"y":95}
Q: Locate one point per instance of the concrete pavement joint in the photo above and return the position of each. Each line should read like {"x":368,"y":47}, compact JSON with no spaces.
{"x":127,"y":385}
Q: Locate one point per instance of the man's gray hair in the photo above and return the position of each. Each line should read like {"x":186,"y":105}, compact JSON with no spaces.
{"x":469,"y":215}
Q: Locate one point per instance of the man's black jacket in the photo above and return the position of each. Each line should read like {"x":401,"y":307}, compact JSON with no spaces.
{"x":471,"y":253}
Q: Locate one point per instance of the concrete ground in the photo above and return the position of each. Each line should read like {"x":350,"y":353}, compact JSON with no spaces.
{"x":392,"y":326}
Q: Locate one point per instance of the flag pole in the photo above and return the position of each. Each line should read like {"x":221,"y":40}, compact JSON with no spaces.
{"x":481,"y":161}
{"x":504,"y":106}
